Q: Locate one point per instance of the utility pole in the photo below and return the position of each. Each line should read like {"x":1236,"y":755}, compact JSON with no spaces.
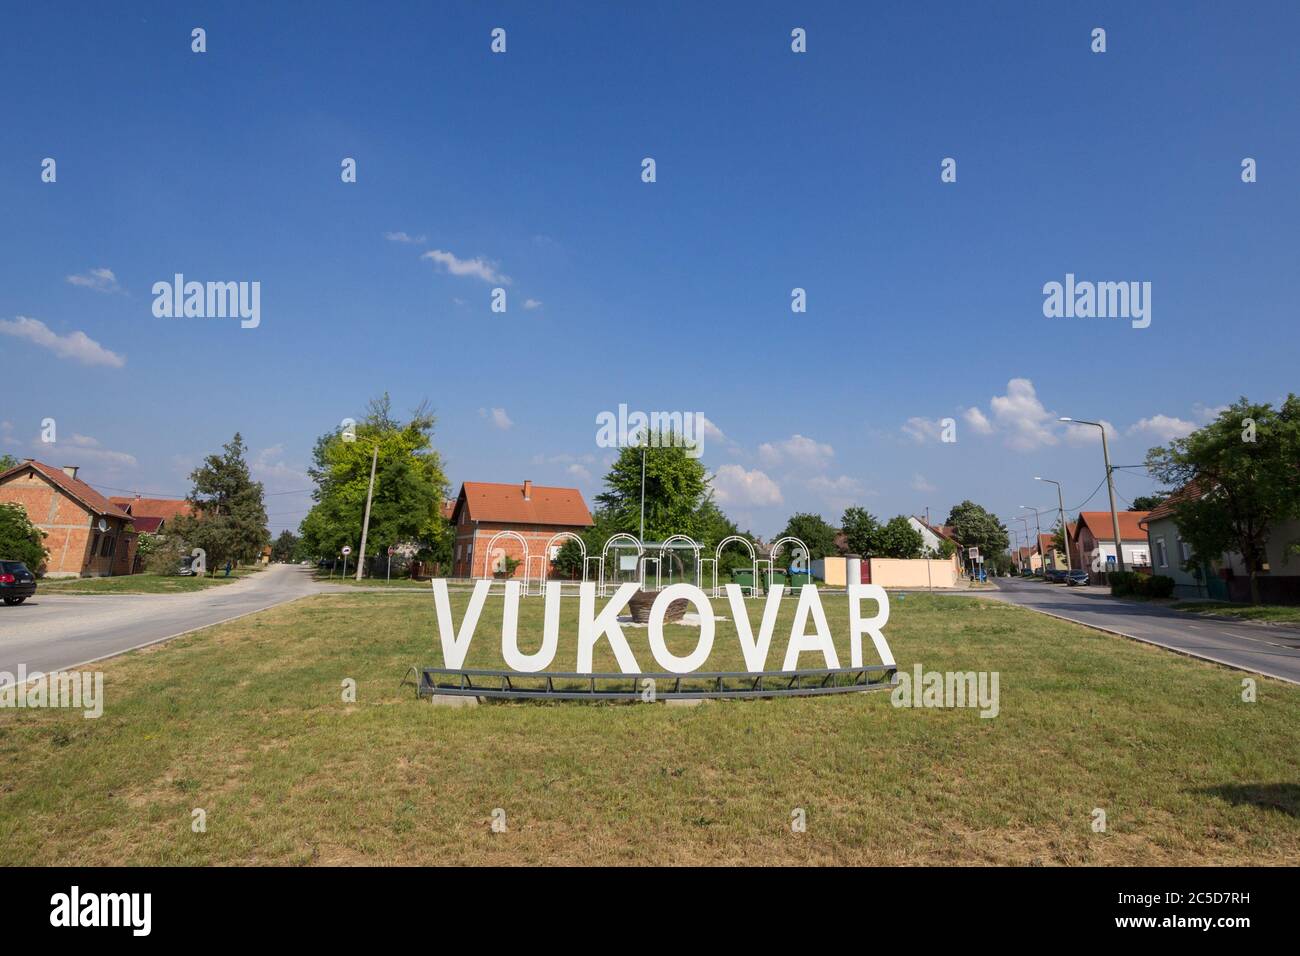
{"x":1110,"y":486}
{"x":1065,"y":528}
{"x":1038,"y":542}
{"x":929,"y":581}
{"x":365,"y":524}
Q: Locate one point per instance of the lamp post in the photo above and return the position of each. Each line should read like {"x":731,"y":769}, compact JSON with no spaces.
{"x":1110,"y":486}
{"x":1038,"y":542}
{"x":365,"y":524}
{"x":1065,"y":531}
{"x":1025,"y":520}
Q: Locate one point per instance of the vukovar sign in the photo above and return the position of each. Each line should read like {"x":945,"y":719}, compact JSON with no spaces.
{"x":810,"y":631}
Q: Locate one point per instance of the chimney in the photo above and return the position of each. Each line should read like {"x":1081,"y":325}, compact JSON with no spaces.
{"x":70,"y":470}
{"x":528,"y":490}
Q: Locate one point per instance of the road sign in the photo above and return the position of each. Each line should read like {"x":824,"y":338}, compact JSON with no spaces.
{"x":347,"y":549}
{"x":391,"y":549}
{"x":973,"y":553}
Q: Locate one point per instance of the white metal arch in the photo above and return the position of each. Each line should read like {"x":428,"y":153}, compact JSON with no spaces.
{"x":604,"y":553}
{"x":695,"y":546}
{"x":788,"y":539}
{"x":753,"y":560}
{"x":546,"y":568}
{"x":487,"y":553}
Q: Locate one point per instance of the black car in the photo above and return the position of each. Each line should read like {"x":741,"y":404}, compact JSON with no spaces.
{"x":1077,"y":578}
{"x":17,"y":584}
{"x":1056,"y":575}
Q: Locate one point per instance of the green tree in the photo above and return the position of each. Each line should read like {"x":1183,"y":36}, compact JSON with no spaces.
{"x":1245,"y":466}
{"x":1148,"y":502}
{"x":861,"y":531}
{"x":285,"y":546}
{"x":814,"y":531}
{"x":676,"y":485}
{"x":898,"y":539}
{"x":229,"y":520}
{"x":974,"y":527}
{"x":20,"y":540}
{"x":409,"y":485}
{"x":7,"y":462}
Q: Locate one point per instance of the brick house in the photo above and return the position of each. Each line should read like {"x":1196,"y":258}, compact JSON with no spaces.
{"x":86,"y":534}
{"x":535,"y":513}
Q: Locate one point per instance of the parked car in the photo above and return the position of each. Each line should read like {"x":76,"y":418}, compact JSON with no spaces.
{"x":17,"y":584}
{"x":186,"y":569}
{"x":1076,"y":578}
{"x":1056,"y":575}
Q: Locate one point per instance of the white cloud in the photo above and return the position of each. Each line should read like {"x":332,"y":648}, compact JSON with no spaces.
{"x":976,"y":420}
{"x":403,"y":237}
{"x":77,"y":346}
{"x":1022,"y":416}
{"x":798,"y":450}
{"x":89,"y":449}
{"x":478,"y":268}
{"x":921,"y":430}
{"x":532,"y":304}
{"x":734,"y":485}
{"x":497,"y":416}
{"x":1077,"y":434}
{"x":1163,"y":427}
{"x":579,"y":472}
{"x":838,"y":493}
{"x":919,"y":483}
{"x":269,"y":467}
{"x":98,"y":280}
{"x":1208,"y":413}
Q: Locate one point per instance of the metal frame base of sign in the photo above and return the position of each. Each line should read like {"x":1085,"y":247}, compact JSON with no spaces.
{"x":711,"y":685}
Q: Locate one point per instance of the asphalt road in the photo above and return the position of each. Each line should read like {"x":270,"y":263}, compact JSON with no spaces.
{"x":52,"y":632}
{"x":1262,"y":649}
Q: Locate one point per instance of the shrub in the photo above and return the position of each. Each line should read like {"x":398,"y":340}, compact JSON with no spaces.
{"x":1160,"y":586}
{"x":20,"y":540}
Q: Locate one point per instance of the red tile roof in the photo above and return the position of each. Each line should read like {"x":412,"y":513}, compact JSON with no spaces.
{"x":488,"y":501}
{"x":1166,"y":508}
{"x":164,"y":508}
{"x":145,"y":525}
{"x":73,"y":487}
{"x":1099,"y":524}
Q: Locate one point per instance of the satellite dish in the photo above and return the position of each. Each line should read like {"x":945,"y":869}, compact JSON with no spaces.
{"x":102,"y":525}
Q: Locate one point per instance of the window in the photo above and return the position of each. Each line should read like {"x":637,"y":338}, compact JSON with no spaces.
{"x":94,"y":545}
{"x":107,"y":549}
{"x":1185,"y":550}
{"x":1162,"y":555}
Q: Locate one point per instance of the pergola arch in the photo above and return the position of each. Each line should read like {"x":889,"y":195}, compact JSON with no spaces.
{"x":487,"y":552}
{"x":568,"y":535}
{"x":609,"y":543}
{"x":791,"y":539}
{"x":753,"y":560}
{"x":694,"y":545}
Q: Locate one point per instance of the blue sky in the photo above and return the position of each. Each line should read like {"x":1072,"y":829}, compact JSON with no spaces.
{"x":775,"y":170}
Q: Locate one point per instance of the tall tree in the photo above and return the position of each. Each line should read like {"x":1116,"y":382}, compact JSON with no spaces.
{"x":284,"y":547}
{"x":974,"y":527}
{"x":861,"y":531}
{"x":1246,"y":465}
{"x":229,"y":521}
{"x":676,"y":486}
{"x":409,"y":484}
{"x":814,"y":531}
{"x":898,"y":539}
{"x":1148,"y":502}
{"x":7,"y":462}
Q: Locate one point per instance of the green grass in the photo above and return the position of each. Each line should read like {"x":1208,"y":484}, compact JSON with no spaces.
{"x":141,"y":583}
{"x":246,"y":721}
{"x":1277,"y":613}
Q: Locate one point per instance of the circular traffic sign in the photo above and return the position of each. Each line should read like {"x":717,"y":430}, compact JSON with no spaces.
{"x":347,"y":549}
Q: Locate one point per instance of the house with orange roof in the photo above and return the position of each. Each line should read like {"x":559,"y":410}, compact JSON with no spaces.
{"x":150,"y":515}
{"x":493,"y":522}
{"x":86,"y":535}
{"x":1093,"y":541}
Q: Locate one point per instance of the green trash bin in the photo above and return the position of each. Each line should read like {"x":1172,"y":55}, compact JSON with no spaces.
{"x":743,"y":576}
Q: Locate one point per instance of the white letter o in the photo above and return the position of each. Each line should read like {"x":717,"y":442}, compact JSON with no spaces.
{"x":665,"y":658}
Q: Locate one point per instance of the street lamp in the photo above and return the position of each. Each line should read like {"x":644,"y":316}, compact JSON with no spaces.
{"x":1026,"y":523}
{"x":1110,"y":486}
{"x":1065,"y":530}
{"x":1038,"y":542}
